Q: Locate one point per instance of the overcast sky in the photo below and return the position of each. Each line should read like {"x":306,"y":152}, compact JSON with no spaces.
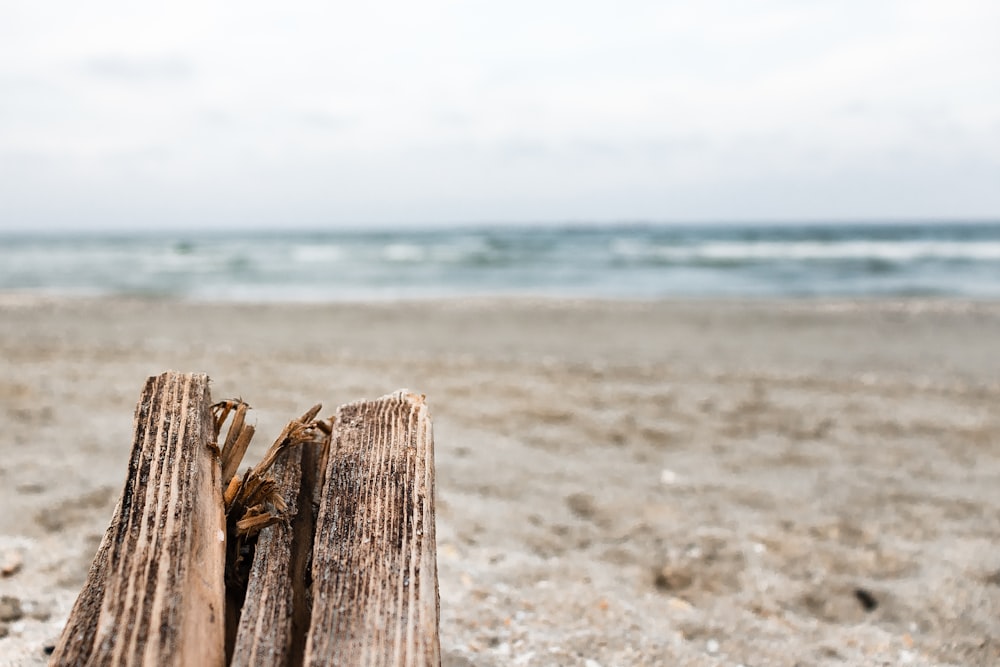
{"x":319,"y":114}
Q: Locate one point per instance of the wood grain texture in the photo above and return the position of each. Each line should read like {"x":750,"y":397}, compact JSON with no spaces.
{"x":374,"y":572}
{"x":275,"y":615}
{"x":155,"y":592}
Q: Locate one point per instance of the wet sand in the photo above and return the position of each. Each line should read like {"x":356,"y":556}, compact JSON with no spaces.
{"x":686,"y":483}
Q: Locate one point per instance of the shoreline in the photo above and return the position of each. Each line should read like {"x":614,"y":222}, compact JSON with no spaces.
{"x":913,"y":305}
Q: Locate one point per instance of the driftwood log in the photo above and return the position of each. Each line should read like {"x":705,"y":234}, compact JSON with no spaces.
{"x":331,"y":559}
{"x":374,"y":573}
{"x":155,"y":594}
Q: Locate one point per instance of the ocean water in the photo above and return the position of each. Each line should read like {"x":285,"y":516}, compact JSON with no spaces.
{"x":631,"y":262}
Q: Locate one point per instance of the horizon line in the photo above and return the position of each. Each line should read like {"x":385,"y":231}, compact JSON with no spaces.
{"x":486,"y":225}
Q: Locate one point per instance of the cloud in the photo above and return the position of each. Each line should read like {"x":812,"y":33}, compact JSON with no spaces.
{"x":445,"y":110}
{"x":140,"y":69}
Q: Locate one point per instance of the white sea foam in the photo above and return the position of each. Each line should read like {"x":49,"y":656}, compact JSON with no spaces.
{"x":317,"y":253}
{"x":403,"y":252}
{"x":895,"y":251}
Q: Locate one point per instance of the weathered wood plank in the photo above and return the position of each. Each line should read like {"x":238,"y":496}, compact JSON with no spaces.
{"x":275,"y":615}
{"x":374,"y":572}
{"x":155,"y":592}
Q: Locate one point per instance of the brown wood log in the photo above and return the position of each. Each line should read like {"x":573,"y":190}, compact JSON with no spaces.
{"x":155,"y":592}
{"x":374,"y":572}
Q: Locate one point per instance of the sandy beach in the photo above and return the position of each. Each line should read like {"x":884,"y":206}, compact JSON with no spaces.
{"x":619,"y":483}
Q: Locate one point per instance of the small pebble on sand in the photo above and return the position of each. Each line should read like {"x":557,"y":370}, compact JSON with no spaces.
{"x":10,"y":564}
{"x":10,"y":608}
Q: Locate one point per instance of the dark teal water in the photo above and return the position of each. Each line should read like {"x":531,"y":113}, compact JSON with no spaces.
{"x":640,"y":261}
